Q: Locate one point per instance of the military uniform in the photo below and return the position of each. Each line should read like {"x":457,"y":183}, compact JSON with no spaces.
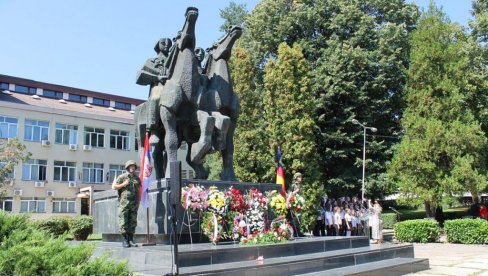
{"x":128,"y":203}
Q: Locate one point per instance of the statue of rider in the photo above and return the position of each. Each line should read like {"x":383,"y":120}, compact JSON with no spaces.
{"x":155,"y":73}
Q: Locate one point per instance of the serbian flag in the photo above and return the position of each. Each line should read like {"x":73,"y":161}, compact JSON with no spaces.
{"x":145,"y":174}
{"x":280,"y":175}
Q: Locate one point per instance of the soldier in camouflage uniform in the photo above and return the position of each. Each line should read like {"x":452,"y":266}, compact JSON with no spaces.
{"x":127,"y":185}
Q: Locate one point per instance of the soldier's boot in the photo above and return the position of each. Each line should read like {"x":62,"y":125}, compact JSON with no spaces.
{"x":125,"y":241}
{"x":131,"y":240}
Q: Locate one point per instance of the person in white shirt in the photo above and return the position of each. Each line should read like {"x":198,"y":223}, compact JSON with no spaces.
{"x":348,"y":219}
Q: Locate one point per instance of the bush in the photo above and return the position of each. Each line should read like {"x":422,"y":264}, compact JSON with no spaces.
{"x":389,"y":220}
{"x":81,"y":227}
{"x":27,"y":250}
{"x":419,"y":230}
{"x":467,"y":231}
{"x":57,"y":226}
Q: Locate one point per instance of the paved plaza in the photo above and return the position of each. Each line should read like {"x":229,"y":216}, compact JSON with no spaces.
{"x":453,"y":259}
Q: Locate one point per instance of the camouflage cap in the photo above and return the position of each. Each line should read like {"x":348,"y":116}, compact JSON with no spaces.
{"x":129,"y":163}
{"x":297,"y":174}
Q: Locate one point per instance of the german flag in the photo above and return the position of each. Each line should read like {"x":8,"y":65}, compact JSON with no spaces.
{"x":280,"y":175}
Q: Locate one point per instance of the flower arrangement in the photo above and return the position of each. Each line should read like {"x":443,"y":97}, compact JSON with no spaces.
{"x":258,"y":203}
{"x":262,"y":238}
{"x":235,"y":200}
{"x":295,"y":202}
{"x":283,"y":230}
{"x":212,"y":227}
{"x":257,"y":200}
{"x":240,"y":228}
{"x":216,"y":201}
{"x":277,"y":203}
{"x":194,"y":198}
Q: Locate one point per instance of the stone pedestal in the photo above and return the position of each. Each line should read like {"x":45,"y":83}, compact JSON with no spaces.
{"x":105,"y":211}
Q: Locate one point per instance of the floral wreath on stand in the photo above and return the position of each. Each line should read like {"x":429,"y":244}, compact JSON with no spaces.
{"x":277,"y":203}
{"x":236,"y":207}
{"x":213,"y":219}
{"x":258,"y":204}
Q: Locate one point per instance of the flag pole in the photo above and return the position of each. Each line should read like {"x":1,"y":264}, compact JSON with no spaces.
{"x":146,"y":148}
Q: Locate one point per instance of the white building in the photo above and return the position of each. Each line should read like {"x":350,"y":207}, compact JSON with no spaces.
{"x":79,"y":141}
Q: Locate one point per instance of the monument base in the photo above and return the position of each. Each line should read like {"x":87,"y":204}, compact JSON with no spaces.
{"x":315,"y":255}
{"x":106,"y":221}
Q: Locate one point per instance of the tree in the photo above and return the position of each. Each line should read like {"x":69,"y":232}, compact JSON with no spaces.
{"x":357,"y":51}
{"x":11,"y":153}
{"x":289,"y":105}
{"x":441,"y":152}
{"x":252,"y":158}
{"x":233,"y":15}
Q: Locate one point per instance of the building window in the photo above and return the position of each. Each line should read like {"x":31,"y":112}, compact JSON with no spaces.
{"x":34,"y":169}
{"x":25,"y":89}
{"x":8,"y":127}
{"x":94,"y":136}
{"x":125,"y":106}
{"x":52,"y":94}
{"x":77,"y":98}
{"x":115,"y":170}
{"x":101,"y":102}
{"x":92,"y":173}
{"x":64,"y":171}
{"x":36,"y":130}
{"x":8,"y":175}
{"x":34,"y":205}
{"x":4,"y":86}
{"x":63,"y":206}
{"x":66,"y":134}
{"x":6,"y":204}
{"x":119,"y":139}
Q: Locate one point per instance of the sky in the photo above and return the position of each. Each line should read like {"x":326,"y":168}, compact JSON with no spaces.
{"x":100,"y":45}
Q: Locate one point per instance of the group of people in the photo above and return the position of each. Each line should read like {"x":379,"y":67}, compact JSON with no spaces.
{"x":344,"y":216}
{"x":348,"y":217}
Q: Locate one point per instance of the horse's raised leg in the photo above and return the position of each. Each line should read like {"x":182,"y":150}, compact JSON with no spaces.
{"x":228,"y":155}
{"x":168,"y":119}
{"x":200,"y":171}
{"x":204,"y":144}
{"x":222,"y":124}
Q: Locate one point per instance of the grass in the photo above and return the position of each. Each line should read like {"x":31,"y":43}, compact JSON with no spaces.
{"x":92,"y":237}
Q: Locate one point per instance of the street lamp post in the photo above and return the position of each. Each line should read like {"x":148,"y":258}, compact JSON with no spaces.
{"x":373,"y":129}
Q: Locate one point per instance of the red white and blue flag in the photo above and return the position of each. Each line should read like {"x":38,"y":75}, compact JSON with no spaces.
{"x":145,"y":174}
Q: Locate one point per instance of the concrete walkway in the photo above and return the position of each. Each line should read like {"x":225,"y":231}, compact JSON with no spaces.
{"x":453,"y":259}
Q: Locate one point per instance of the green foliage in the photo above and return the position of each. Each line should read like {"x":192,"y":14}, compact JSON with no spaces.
{"x":419,"y":230}
{"x":57,"y":226}
{"x":27,"y":250}
{"x":252,"y":158}
{"x":234,"y":14}
{"x":12,"y":151}
{"x":81,"y":227}
{"x":389,"y":220}
{"x":467,"y":231}
{"x":357,"y":52}
{"x":289,"y":106}
{"x":441,"y":153}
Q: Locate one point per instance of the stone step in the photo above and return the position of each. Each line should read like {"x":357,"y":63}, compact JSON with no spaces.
{"x":207,"y":254}
{"x":390,"y":267}
{"x":306,"y":263}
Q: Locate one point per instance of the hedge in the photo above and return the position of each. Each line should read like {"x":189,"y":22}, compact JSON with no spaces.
{"x":25,"y":249}
{"x":389,"y":220}
{"x":81,"y":227}
{"x":467,"y":231}
{"x":419,"y":230}
{"x":57,"y":226}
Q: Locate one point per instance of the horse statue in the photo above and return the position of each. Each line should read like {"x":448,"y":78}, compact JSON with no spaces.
{"x":198,"y":108}
{"x":221,"y":101}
